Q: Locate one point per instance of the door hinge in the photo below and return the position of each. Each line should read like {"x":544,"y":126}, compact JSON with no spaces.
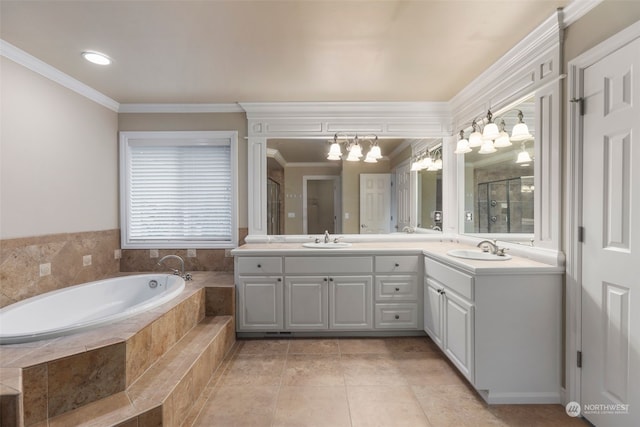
{"x":580,"y":102}
{"x":581,"y":234}
{"x":579,"y":359}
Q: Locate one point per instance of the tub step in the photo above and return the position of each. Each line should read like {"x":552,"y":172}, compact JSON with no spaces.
{"x":164,"y":394}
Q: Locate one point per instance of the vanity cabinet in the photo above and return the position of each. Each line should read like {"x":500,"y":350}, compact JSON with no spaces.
{"x":502,"y":328}
{"x":448,"y":315}
{"x":397,"y":292}
{"x":259,"y":290}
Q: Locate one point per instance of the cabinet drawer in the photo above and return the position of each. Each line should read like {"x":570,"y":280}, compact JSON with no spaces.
{"x":259,"y":265}
{"x":397,"y":264}
{"x":396,"y":316}
{"x":328,"y":265}
{"x":456,"y":280}
{"x":397,"y":287}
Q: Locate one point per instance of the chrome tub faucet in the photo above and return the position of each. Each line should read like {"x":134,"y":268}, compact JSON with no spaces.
{"x":181,"y":273}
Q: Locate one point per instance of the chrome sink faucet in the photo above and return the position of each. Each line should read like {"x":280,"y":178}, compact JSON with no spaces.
{"x":327,"y":238}
{"x":489,"y":246}
{"x":181,"y":273}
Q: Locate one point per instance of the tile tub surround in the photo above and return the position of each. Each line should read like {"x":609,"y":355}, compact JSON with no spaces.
{"x":353,"y":382}
{"x":50,"y":373}
{"x":205,"y":259}
{"x":20,"y":261}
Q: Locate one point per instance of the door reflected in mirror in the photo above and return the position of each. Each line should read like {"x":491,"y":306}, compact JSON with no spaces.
{"x":430,"y":194}
{"x":499,"y":177}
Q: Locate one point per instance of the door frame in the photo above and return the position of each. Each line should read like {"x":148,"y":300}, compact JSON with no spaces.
{"x":573,"y":202}
{"x":337,"y":200}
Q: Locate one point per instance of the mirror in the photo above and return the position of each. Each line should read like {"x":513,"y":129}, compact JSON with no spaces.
{"x":499,"y":186}
{"x":307,"y":194}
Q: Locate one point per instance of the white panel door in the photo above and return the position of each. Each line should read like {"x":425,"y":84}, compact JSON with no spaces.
{"x":433,"y":310}
{"x":610,"y":253}
{"x":260,"y":303}
{"x":305,"y":303}
{"x":458,"y":332}
{"x":350,"y":302}
{"x":375,"y":203}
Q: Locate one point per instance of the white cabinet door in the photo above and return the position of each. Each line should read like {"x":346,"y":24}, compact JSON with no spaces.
{"x":305,"y":303}
{"x":433,"y":310}
{"x":458,"y":332}
{"x":260,"y":303}
{"x":351,"y":303}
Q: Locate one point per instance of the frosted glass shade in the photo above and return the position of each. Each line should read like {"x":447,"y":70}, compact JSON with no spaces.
{"x":502,"y":140}
{"x":520,"y":132}
{"x":490,"y":131}
{"x":462,"y":147}
{"x":375,"y":152}
{"x":487,"y":147}
{"x":335,"y":150}
{"x":524,"y":157}
{"x":475,"y":139}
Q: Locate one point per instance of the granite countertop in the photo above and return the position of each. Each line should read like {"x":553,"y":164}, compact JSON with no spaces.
{"x":433,"y":249}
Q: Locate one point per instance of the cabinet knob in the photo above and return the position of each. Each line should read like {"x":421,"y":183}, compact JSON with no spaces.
{"x":397,"y":289}
{"x":259,"y":265}
{"x":331,"y":279}
{"x":397,"y":316}
{"x":397,"y":265}
{"x":325,"y":279}
{"x":279,"y":279}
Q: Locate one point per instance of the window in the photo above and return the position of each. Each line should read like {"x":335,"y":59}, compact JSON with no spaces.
{"x":178,"y":189}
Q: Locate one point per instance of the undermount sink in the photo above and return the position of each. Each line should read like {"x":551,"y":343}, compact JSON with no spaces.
{"x":478,"y":255}
{"x":329,"y":245}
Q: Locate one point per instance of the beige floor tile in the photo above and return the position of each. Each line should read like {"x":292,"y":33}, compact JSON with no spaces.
{"x":254,"y":369}
{"x":454,"y":405}
{"x":312,"y":406}
{"x":364,"y":346}
{"x":427,"y":369}
{"x":384,"y":406}
{"x":313,"y":370}
{"x":239,"y":406}
{"x":314,"y":346}
{"x":411,"y":345}
{"x":263,"y":347}
{"x":371,"y":369}
{"x":535,"y":415}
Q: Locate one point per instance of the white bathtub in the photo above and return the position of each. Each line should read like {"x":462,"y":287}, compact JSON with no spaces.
{"x":81,"y":307}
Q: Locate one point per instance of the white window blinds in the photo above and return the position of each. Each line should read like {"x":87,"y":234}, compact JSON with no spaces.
{"x":180,"y":191}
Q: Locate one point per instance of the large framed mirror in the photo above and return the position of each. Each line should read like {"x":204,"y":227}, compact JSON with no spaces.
{"x":497,"y":174}
{"x":308,"y":193}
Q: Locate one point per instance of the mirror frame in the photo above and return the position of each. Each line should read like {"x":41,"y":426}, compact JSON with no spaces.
{"x":412,"y":120}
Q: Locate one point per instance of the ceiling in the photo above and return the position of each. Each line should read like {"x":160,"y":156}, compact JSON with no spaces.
{"x":215,"y":51}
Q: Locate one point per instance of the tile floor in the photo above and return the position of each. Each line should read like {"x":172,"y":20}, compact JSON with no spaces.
{"x":354,"y":382}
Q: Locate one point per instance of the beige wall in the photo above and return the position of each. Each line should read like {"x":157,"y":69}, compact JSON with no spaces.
{"x":59,"y":158}
{"x":198,"y":121}
{"x":600,"y":23}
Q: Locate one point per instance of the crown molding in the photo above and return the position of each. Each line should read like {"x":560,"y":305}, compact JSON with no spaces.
{"x":260,"y":110}
{"x":32,"y":63}
{"x":181,"y":108}
{"x":576,"y":10}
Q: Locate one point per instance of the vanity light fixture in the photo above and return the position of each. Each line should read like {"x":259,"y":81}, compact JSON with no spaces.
{"x":492,"y":135}
{"x":96,"y":58}
{"x":431,"y":160}
{"x":354,"y":148}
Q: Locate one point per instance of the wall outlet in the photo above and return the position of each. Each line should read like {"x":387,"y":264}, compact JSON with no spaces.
{"x":291,"y":214}
{"x":86,"y":260}
{"x":191,"y":253}
{"x":227,"y":253}
{"x":45,"y":269}
{"x":117,"y":254}
{"x":153,"y":253}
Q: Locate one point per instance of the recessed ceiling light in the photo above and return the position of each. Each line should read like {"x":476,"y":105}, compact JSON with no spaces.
{"x":96,"y":58}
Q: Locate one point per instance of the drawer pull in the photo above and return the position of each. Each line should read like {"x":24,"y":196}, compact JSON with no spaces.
{"x":325,"y":279}
{"x":397,"y":316}
{"x":397,"y":265}
{"x":279,"y":279}
{"x":259,"y":265}
{"x":331,"y":279}
{"x":397,"y":289}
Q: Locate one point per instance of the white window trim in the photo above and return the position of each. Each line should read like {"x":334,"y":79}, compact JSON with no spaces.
{"x":126,"y":137}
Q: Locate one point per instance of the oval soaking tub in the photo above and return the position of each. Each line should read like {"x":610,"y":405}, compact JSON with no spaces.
{"x":85,"y":306}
